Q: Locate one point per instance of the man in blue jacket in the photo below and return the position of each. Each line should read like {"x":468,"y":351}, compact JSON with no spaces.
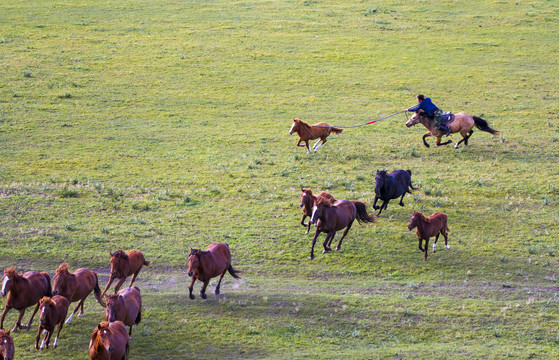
{"x":431,"y":110}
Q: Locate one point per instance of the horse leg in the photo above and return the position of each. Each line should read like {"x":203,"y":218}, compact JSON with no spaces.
{"x":134,"y":277}
{"x":382,"y":207}
{"x":323,"y":141}
{"x":468,"y":137}
{"x":315,"y":146}
{"x":82,"y":302}
{"x":420,"y":244}
{"x":425,"y":141}
{"x":74,"y":312}
{"x":343,"y":236}
{"x":6,"y":309}
{"x":111,"y":279}
{"x":314,"y":242}
{"x":439,"y":143}
{"x":435,"y":243}
{"x":307,"y":225}
{"x":328,"y":241}
{"x":191,"y":287}
{"x":46,"y":340}
{"x":57,"y":335}
{"x":426,"y":247}
{"x":203,"y":289}
{"x":28,"y":326}
{"x":445,"y":239}
{"x":217,"y":292}
{"x":38,"y":337}
{"x":375,"y":203}
{"x":119,"y":284}
{"x":308,"y":147}
{"x":401,"y":203}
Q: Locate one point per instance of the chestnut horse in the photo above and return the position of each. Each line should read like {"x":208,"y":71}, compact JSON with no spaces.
{"x":7,"y":348}
{"x":391,"y":186}
{"x":53,"y":312}
{"x":124,"y":265}
{"x":109,"y":341}
{"x":76,"y":286}
{"x":463,"y":123}
{"x":125,"y":306}
{"x":204,"y":265}
{"x":308,"y":200}
{"x":330,"y":218}
{"x":308,"y":132}
{"x":23,"y":291}
{"x":428,"y":227}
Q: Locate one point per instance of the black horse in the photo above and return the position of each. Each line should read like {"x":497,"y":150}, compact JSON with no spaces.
{"x":391,"y":186}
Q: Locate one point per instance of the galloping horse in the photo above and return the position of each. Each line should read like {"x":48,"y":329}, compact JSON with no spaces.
{"x":391,"y":186}
{"x":76,"y":287}
{"x":53,"y":312}
{"x":109,"y":341}
{"x":330,"y":218}
{"x":7,"y":348}
{"x":124,"y":265}
{"x":204,"y":265}
{"x":463,"y":123}
{"x":307,"y":132}
{"x":308,"y":200}
{"x":125,"y":306}
{"x":427,"y":227}
{"x":23,"y":291}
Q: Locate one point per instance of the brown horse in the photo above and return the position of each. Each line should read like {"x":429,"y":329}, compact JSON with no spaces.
{"x":428,"y":227}
{"x":124,"y":265}
{"x":463,"y":123}
{"x":330,"y":218}
{"x":204,"y":265}
{"x":308,"y":132}
{"x":125,"y":306}
{"x":23,"y":291}
{"x":109,"y":341}
{"x":53,"y":312}
{"x":76,"y":287}
{"x":308,"y":200}
{"x":7,"y":348}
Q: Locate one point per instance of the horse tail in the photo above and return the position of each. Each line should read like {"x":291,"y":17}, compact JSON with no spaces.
{"x":146,"y":262}
{"x":233,"y":272}
{"x":139,"y":317}
{"x":49,"y":286}
{"x":336,"y":130}
{"x":97,"y":291}
{"x":362,"y":215}
{"x":484,"y":126}
{"x":410,"y":185}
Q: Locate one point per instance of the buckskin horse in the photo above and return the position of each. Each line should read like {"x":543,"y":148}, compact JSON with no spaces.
{"x":204,"y":265}
{"x":123,"y":265}
{"x":428,"y":227}
{"x":308,"y":132}
{"x":76,"y":286}
{"x":125,"y":306}
{"x":391,"y":186}
{"x":463,"y":123}
{"x":7,"y":348}
{"x":22,"y":292}
{"x":308,"y":200}
{"x":109,"y":341}
{"x":53,"y":311}
{"x":330,"y":218}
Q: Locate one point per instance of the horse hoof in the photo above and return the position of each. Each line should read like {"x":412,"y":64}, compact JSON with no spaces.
{"x":217,"y":292}
{"x":191,"y":297}
{"x":204,"y":296}
{"x":447,"y":246}
{"x":401,"y":204}
{"x":311,"y":257}
{"x":338,"y":248}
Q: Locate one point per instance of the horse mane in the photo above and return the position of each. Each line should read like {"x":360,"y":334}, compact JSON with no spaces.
{"x":121,"y":254}
{"x":103,"y":325}
{"x":47,"y":300}
{"x":326,"y":198}
{"x":421,"y":216}
{"x":323,"y":201}
{"x":111,"y":297}
{"x":11,"y":271}
{"x":63,"y":268}
{"x":4,"y":333}
{"x":301,"y":122}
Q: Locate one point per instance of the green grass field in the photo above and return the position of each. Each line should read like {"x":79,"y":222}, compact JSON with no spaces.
{"x":163,"y":125}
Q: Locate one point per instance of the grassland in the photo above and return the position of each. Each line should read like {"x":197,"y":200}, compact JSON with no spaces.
{"x":162,"y":125}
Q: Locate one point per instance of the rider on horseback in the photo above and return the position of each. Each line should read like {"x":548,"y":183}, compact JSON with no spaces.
{"x":431,"y":110}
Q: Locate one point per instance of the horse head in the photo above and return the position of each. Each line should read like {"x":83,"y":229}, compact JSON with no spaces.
{"x":101,"y":337}
{"x":379,"y":181}
{"x":193,"y":261}
{"x":414,"y":220}
{"x":415,"y":119}
{"x":307,"y":198}
{"x":7,"y":348}
{"x":60,"y":279}
{"x":318,"y":209}
{"x":119,"y":260}
{"x":295,"y":126}
{"x":46,"y":308}
{"x":8,"y":280}
{"x":114,"y":303}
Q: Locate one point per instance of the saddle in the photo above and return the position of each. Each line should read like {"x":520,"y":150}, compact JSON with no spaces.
{"x":447,"y":118}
